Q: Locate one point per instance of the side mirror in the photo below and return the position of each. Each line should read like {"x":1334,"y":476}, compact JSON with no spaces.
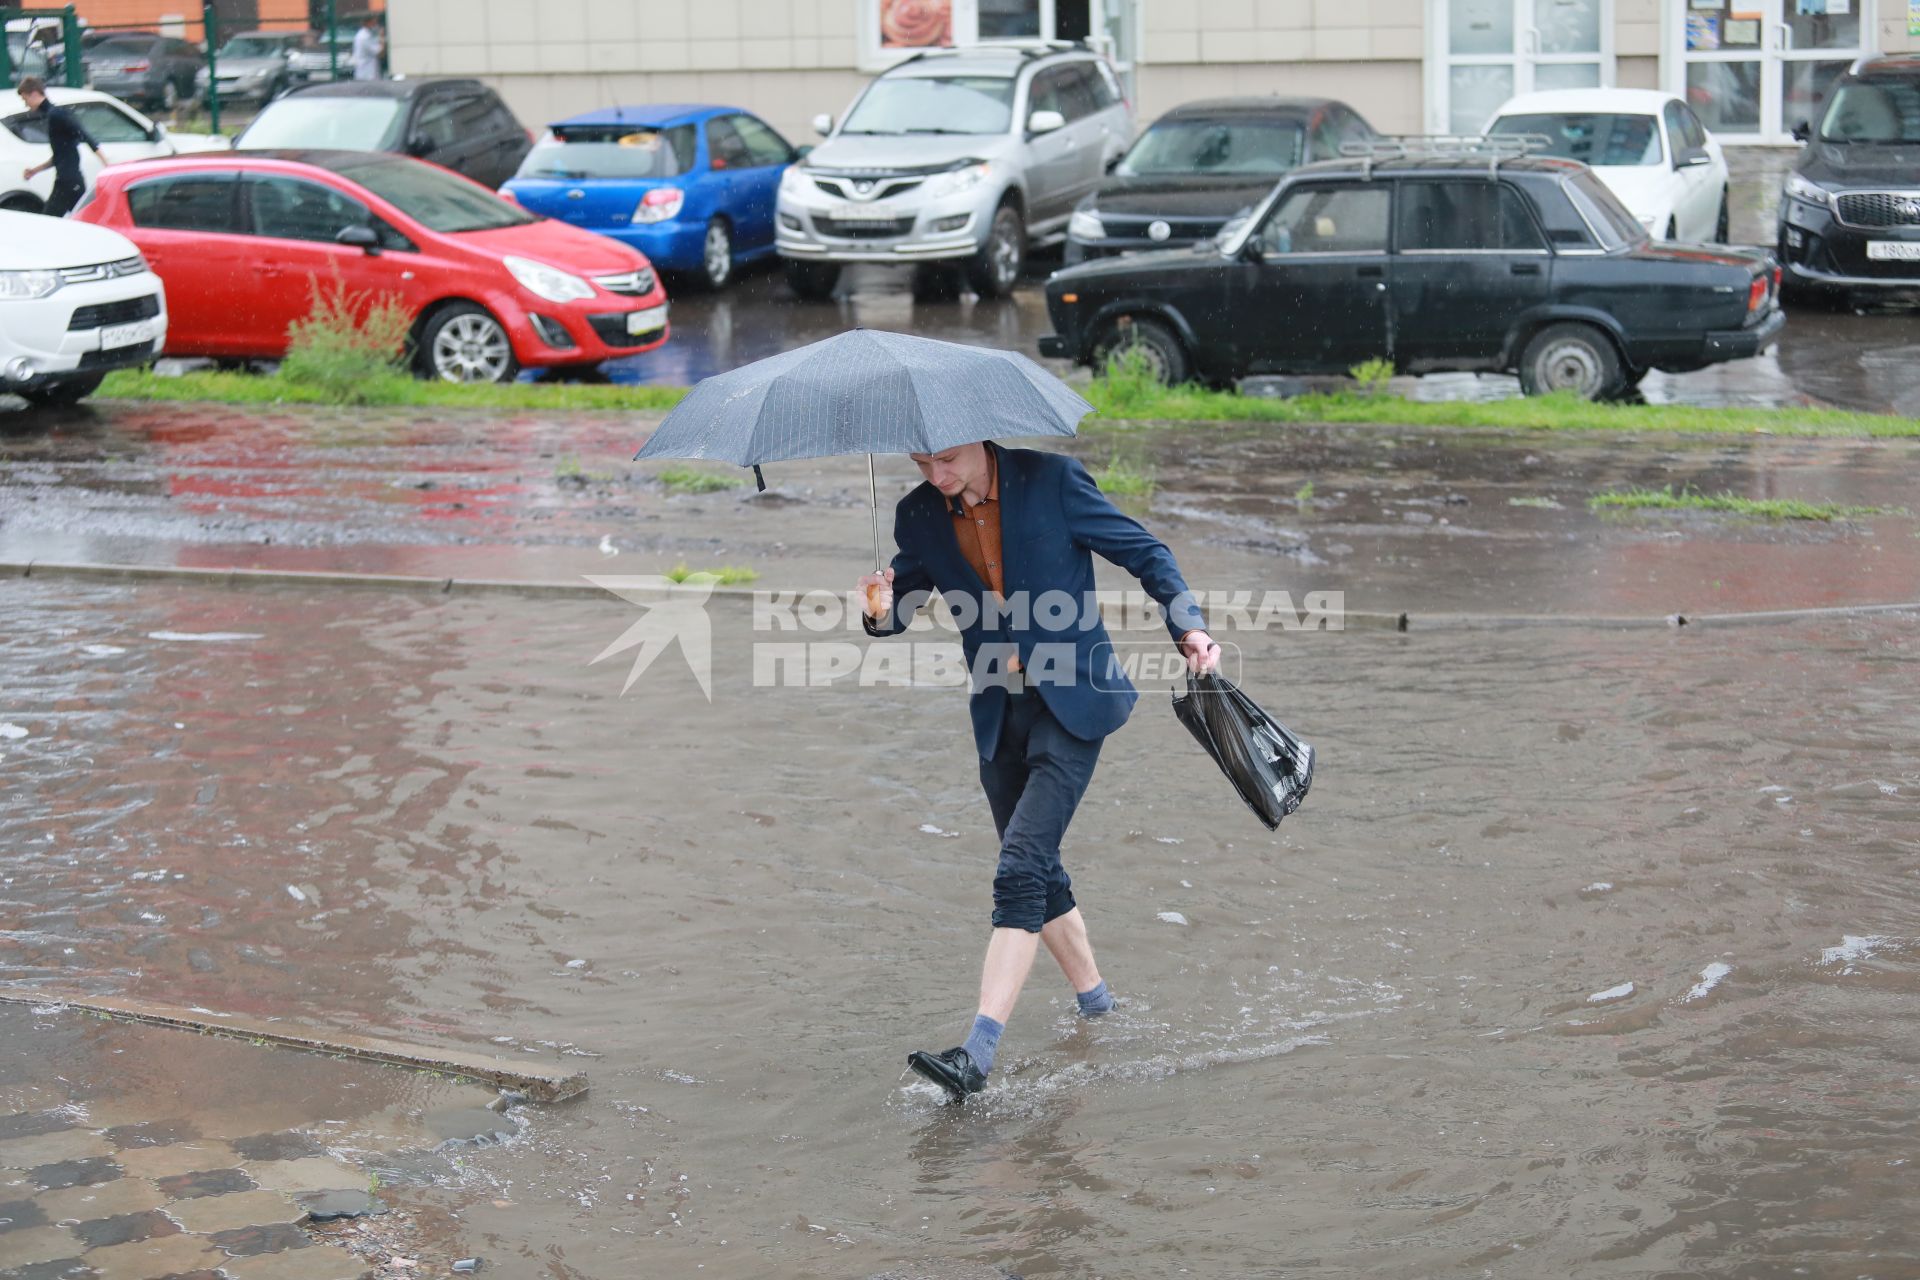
{"x":158,"y":133}
{"x":1254,"y":250}
{"x":823,"y":124}
{"x":1115,"y":162}
{"x":419,"y":144}
{"x":1692,"y":158}
{"x":1045,"y":122}
{"x":363,"y":238}
{"x":1802,"y":131}
{"x":801,"y":152}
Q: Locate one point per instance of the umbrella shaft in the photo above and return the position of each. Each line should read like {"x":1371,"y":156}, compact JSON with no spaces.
{"x":873,"y":497}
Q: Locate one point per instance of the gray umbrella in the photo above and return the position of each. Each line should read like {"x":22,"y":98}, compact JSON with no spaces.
{"x":865,"y":391}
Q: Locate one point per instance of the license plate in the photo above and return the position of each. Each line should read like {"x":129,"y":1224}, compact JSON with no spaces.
{"x":127,"y":335}
{"x":639,"y":322}
{"x":864,"y":213}
{"x":1894,"y":250}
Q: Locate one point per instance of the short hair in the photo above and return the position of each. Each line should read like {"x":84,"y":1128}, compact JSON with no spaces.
{"x":31,"y":84}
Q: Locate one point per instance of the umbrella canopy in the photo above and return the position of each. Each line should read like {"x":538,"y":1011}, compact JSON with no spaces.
{"x":865,"y":391}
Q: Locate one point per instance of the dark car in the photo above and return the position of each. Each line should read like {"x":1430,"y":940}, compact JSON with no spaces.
{"x":1850,"y":216}
{"x":1438,"y":260}
{"x":146,"y":70}
{"x":457,"y":124}
{"x":1202,"y":163}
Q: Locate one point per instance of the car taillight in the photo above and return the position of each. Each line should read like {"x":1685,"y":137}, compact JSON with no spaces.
{"x":659,"y":204}
{"x":1757,"y":293}
{"x":1776,"y":281}
{"x":133,"y":67}
{"x":505,"y":194}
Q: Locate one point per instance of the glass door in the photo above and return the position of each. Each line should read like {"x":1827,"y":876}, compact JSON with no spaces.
{"x":1753,"y":69}
{"x":1490,"y":50}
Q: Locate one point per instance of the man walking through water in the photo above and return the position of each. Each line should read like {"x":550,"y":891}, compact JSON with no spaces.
{"x":1001,"y":533}
{"x":64,"y":136}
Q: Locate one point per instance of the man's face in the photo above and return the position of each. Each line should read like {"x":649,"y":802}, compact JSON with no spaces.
{"x":952,"y":470}
{"x":33,"y":99}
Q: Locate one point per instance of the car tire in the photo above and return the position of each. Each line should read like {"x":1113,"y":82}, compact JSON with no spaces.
{"x":21,"y":202}
{"x":462,"y":342}
{"x":812,"y":281}
{"x":1723,"y":224}
{"x":1571,"y":357}
{"x":995,"y":269}
{"x":62,"y":394}
{"x":1156,"y":342}
{"x":716,"y":255}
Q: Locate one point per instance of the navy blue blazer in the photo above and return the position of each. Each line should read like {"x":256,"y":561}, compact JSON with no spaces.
{"x":1052,"y":516}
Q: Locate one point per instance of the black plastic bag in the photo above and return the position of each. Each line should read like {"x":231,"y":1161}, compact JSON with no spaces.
{"x":1267,"y":764}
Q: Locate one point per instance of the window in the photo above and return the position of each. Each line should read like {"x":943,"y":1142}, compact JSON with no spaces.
{"x":1106,"y":90}
{"x":28,"y":126}
{"x":1603,"y":210}
{"x":1676,"y":130}
{"x":107,"y":123}
{"x":438,"y":201}
{"x":289,"y":209}
{"x":499,"y":120}
{"x":197,"y":202}
{"x":449,"y":118}
{"x":1076,"y":90}
{"x":764,"y":146}
{"x":602,"y":151}
{"x":1047,"y":92}
{"x":1590,"y":137}
{"x":1326,"y":137}
{"x":1696,"y":133}
{"x":1323,"y":219}
{"x":725,"y":145}
{"x":1438,"y":217}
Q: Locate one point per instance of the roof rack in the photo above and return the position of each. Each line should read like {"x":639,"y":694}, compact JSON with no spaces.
{"x":1492,"y":147}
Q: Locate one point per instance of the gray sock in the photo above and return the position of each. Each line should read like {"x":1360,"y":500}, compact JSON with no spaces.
{"x":1095,"y":1002}
{"x":982,"y":1041}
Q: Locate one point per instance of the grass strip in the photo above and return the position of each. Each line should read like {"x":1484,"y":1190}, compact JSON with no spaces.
{"x":1765,"y":508}
{"x":269,"y":389}
{"x":1117,"y":401}
{"x":698,"y":480}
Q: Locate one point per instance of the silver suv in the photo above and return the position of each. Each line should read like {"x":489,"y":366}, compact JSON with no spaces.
{"x":954,"y":156}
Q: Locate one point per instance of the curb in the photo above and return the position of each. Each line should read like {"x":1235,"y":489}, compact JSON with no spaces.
{"x":565,"y":588}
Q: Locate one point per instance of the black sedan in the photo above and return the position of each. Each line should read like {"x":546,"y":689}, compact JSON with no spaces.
{"x":1434,"y":261}
{"x":1202,"y":163}
{"x":460,"y":125}
{"x":1850,"y":220}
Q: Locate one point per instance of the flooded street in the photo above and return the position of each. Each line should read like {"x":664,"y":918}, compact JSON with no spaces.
{"x":1594,"y":952}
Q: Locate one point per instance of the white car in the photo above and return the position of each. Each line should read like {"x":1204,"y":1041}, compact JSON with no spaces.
{"x":1647,"y":146}
{"x":123,"y":134}
{"x":75,"y":301}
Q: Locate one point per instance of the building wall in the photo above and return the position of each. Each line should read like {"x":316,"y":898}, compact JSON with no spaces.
{"x":181,"y":18}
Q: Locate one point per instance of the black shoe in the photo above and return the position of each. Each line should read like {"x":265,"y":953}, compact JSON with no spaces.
{"x":953,"y":1071}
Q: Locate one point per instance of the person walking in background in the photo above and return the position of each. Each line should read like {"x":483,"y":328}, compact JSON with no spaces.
{"x":65,"y":133}
{"x":367,"y":47}
{"x":988,"y":519}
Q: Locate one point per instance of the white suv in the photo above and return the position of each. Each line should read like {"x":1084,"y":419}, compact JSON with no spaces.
{"x":75,"y":301}
{"x":954,"y":156}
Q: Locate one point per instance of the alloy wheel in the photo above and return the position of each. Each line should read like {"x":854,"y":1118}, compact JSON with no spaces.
{"x":471,"y":348}
{"x":718,"y":253}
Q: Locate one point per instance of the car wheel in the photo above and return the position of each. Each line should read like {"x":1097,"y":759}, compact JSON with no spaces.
{"x":1723,"y":223}
{"x":464,"y":343}
{"x":21,"y":202}
{"x":716,"y":255}
{"x":1153,"y":343}
{"x":1570,"y":357}
{"x":813,"y":281}
{"x":995,"y":269}
{"x":169,"y":96}
{"x":61,"y":394}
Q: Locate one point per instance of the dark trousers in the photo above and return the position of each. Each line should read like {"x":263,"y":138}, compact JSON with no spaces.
{"x":66,"y":193}
{"x":1034,"y":782}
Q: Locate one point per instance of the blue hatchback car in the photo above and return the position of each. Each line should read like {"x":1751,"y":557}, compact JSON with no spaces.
{"x":692,"y":187}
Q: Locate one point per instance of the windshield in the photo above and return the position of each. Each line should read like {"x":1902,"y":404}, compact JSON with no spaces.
{"x":340,"y":124}
{"x":1873,"y":111}
{"x":1590,"y":138}
{"x":924,"y":104}
{"x":1201,"y":147}
{"x":436,"y":200}
{"x":1603,"y":211}
{"x":612,"y":153}
{"x":251,"y":47}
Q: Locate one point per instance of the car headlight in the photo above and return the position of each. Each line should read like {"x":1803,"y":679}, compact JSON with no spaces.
{"x":23,"y":286}
{"x":550,"y":283}
{"x":792,"y":180}
{"x":954,"y":181}
{"x":1800,"y":189}
{"x":263,"y":73}
{"x":659,"y":204}
{"x":1085,"y":224}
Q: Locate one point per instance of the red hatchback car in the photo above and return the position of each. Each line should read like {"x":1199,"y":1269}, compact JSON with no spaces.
{"x":243,"y":239}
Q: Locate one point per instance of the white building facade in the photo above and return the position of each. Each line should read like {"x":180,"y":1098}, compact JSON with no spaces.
{"x":1751,"y":68}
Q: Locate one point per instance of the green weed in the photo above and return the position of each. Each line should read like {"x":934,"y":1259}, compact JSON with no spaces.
{"x":1669,"y":499}
{"x":725,"y":576}
{"x":696,"y":480}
